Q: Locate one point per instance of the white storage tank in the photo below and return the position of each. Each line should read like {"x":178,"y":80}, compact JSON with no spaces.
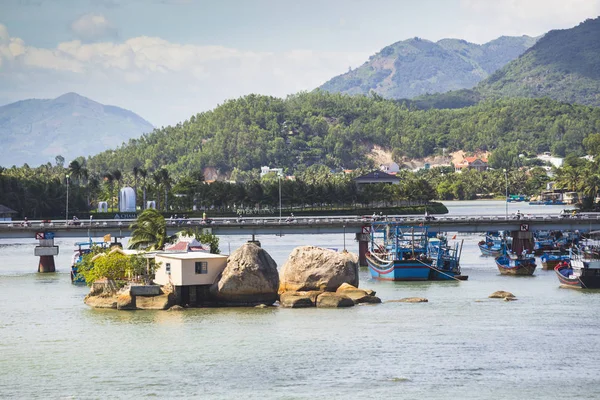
{"x":127,"y":200}
{"x":151,"y":204}
{"x":102,"y":206}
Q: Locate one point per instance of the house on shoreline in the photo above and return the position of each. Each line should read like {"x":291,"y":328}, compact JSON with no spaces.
{"x":6,"y":214}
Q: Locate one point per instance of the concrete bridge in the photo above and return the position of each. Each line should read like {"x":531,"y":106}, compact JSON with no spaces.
{"x":308,"y":225}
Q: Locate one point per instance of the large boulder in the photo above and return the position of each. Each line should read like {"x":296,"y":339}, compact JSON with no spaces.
{"x":315,"y":268}
{"x":250,"y":278}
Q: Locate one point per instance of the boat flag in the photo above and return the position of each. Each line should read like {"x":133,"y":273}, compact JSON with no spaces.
{"x":453,"y":237}
{"x":107,"y":238}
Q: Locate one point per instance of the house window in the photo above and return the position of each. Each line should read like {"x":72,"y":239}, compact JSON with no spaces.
{"x":168,"y":268}
{"x":201,"y":267}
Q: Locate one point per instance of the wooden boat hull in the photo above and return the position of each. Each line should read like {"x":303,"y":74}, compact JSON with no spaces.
{"x":398,"y":270}
{"x":515,"y":267}
{"x":550,"y":264}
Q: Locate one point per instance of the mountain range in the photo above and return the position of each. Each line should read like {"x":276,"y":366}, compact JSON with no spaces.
{"x":35,"y":131}
{"x":414,"y":67}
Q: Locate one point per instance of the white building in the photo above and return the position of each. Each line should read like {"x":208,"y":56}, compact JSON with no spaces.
{"x":265,"y":170}
{"x":391,"y":168}
{"x":127,"y":200}
{"x":547,"y":156}
{"x":191,"y":274}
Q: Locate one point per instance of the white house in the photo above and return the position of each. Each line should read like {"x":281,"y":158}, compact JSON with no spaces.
{"x":189,"y":269}
{"x":265,"y":170}
{"x":547,"y":156}
{"x":191,"y":274}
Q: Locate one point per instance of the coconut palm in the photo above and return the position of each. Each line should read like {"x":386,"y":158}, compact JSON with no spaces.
{"x":118,"y":176}
{"x":149,"y":231}
{"x":143,"y":174}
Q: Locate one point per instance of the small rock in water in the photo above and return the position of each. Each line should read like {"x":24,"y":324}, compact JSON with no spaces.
{"x":501,"y":294}
{"x":409,"y":300}
{"x":510,"y":299}
{"x":176,"y":308}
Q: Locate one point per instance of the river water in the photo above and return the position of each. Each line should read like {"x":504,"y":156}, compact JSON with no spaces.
{"x":460,"y":344}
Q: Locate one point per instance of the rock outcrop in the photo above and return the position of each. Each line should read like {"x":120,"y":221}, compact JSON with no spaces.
{"x":250,"y":278}
{"x":103,"y":295}
{"x":358,"y":295}
{"x":299,"y":299}
{"x":409,"y":300}
{"x":315,"y":268}
{"x":501,"y":294}
{"x":334,"y":300}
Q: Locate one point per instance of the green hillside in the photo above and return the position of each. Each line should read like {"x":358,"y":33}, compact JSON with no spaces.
{"x":36,"y":131}
{"x":339,"y":131}
{"x":563,"y":65}
{"x":416,"y":66}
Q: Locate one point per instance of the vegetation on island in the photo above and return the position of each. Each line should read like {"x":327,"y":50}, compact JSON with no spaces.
{"x":113,"y":265}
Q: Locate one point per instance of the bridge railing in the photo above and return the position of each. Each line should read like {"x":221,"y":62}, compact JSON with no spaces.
{"x":303,"y":220}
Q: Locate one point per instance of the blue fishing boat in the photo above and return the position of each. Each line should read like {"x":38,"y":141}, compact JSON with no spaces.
{"x":402,"y":253}
{"x":583,"y":271}
{"x":82,"y":248}
{"x":521,"y":265}
{"x":446,"y":260}
{"x":493,"y":244}
{"x":551,"y":259}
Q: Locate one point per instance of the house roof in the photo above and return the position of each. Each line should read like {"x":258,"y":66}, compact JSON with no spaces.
{"x":6,"y":210}
{"x":376,"y":175}
{"x":199,"y":255}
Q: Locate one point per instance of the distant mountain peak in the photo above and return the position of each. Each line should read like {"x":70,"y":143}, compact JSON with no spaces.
{"x":36,"y":131}
{"x":417,"y":66}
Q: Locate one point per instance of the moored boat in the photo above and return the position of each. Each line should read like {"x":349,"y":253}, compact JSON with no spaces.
{"x":402,"y":253}
{"x":583,"y":271}
{"x":551,"y":259}
{"x":523,"y":265}
{"x":493,"y":244}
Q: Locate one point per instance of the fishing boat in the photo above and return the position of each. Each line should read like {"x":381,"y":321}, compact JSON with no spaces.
{"x":493,"y":244}
{"x":522,"y":265}
{"x":516,"y":198}
{"x":82,"y":248}
{"x":551,"y":259}
{"x":583,"y":271}
{"x":402,"y":253}
{"x":446,"y":260}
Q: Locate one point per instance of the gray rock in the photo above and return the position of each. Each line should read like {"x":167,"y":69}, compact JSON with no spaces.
{"x":501,"y":294}
{"x":316,"y":268}
{"x":298,"y":299}
{"x":334,"y":300}
{"x":409,"y":300}
{"x":250,"y":278}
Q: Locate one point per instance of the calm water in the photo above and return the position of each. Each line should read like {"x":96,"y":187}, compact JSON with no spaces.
{"x":459,"y":345}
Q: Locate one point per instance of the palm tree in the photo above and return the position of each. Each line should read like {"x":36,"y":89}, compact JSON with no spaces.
{"x":118,"y":176}
{"x":136,"y":172}
{"x":109,"y":179}
{"x":157,"y":178}
{"x":149,"y":231}
{"x":166,"y":184}
{"x":143,"y":174}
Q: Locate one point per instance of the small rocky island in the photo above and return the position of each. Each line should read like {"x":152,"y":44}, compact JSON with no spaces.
{"x":311,"y":277}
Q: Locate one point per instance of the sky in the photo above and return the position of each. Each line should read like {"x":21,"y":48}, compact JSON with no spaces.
{"x":167,"y":60}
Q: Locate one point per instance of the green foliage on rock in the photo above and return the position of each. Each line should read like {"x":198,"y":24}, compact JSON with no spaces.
{"x":113,"y":265}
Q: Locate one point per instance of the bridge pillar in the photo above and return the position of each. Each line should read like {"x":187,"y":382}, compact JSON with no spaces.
{"x":46,"y":264}
{"x":46,"y":251}
{"x":363,"y":247}
{"x":254,"y":241}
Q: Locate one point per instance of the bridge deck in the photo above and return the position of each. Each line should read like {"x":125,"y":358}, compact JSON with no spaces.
{"x":309,"y":225}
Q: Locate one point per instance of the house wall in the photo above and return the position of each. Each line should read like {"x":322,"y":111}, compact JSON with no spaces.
{"x":183,"y":271}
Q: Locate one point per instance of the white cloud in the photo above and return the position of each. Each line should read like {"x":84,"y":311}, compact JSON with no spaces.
{"x":92,"y":27}
{"x":163,"y":81}
{"x":518,"y":17}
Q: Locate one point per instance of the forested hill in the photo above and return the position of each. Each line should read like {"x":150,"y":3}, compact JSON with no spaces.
{"x":563,"y":65}
{"x":416,"y":66}
{"x":339,"y":131}
{"x":35,"y":131}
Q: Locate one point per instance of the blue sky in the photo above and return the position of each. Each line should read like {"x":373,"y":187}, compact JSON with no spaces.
{"x":168,"y":59}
